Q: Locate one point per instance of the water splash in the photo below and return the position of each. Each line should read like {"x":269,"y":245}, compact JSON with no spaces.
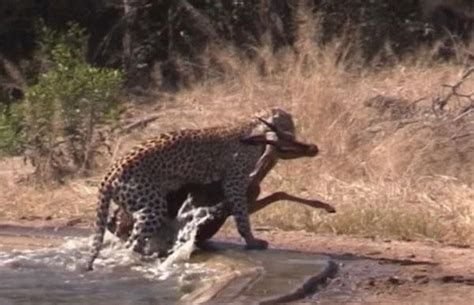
{"x":54,"y":276}
{"x":189,"y":219}
{"x":119,"y":275}
{"x":70,"y":256}
{"x":178,"y":238}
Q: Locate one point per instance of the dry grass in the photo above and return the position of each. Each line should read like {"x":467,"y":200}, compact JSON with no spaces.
{"x":20,"y":200}
{"x":397,"y":171}
{"x":393,"y":171}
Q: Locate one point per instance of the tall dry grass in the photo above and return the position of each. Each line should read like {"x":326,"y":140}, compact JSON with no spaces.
{"x":399,"y":169}
{"x":393,"y":168}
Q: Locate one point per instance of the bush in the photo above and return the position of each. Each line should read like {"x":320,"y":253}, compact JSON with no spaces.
{"x":62,"y":113}
{"x":10,"y":126}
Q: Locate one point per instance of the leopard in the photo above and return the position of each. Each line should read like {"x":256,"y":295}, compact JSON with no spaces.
{"x":139,"y":181}
{"x":208,"y":198}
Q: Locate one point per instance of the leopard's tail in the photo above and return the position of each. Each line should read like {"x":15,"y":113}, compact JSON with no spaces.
{"x":105,"y":196}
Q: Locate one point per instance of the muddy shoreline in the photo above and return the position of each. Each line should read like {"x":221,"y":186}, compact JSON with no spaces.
{"x":382,"y":271}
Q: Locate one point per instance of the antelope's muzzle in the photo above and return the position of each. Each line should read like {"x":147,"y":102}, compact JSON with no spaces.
{"x":290,"y":149}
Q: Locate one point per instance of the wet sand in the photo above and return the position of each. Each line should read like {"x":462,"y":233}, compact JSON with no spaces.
{"x":372,"y":271}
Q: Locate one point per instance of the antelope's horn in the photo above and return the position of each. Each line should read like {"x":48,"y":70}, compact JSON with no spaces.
{"x":279,"y":133}
{"x":269,"y":125}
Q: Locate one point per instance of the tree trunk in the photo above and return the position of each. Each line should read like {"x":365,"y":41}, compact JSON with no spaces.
{"x":136,"y":43}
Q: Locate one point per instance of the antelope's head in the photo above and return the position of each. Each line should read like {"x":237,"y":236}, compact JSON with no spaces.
{"x":276,"y":128}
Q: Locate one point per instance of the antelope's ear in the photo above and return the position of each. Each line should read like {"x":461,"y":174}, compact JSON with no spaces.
{"x":255,"y":136}
{"x":260,"y":138}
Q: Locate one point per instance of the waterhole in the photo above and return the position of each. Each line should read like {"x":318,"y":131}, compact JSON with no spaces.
{"x":42,"y":266}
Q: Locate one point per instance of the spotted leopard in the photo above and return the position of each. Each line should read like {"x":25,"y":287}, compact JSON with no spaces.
{"x":140,"y":181}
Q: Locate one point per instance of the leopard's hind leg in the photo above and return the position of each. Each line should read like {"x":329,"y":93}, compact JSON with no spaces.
{"x":147,"y":221}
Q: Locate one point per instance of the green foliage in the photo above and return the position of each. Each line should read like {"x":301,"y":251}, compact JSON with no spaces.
{"x":62,"y":113}
{"x":10,"y":126}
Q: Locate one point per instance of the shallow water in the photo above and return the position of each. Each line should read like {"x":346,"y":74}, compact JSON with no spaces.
{"x":54,"y":286}
{"x":52,"y":275}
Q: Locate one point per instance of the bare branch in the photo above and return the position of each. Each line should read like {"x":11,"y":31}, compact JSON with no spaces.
{"x":440,"y":103}
{"x":140,"y":123}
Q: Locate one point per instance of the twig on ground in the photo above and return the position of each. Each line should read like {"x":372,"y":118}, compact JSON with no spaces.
{"x":462,"y":136}
{"x":140,"y":123}
{"x":464,"y":112}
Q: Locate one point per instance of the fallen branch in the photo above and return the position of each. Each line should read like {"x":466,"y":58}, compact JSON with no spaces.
{"x":140,"y":123}
{"x":440,"y":103}
{"x":464,"y":112}
{"x":456,"y":137}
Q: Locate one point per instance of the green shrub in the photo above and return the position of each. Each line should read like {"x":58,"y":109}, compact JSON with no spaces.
{"x":10,"y":127}
{"x":62,"y":114}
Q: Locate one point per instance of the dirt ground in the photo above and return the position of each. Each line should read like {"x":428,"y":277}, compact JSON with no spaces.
{"x":375,"y":271}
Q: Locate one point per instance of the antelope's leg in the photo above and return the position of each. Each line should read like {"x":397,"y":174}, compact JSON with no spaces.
{"x":264,"y":165}
{"x":314,"y":203}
